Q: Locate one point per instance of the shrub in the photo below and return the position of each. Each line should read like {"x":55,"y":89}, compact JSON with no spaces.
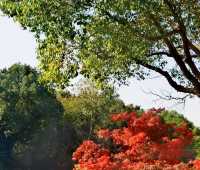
{"x":145,"y":142}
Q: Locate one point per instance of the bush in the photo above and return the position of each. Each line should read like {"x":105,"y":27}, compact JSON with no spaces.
{"x":145,"y":142}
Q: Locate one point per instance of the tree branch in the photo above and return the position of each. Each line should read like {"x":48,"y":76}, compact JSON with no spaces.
{"x":176,"y":86}
{"x":194,"y":48}
{"x":159,"y":53}
{"x":186,"y":42}
{"x":160,"y":37}
{"x":169,"y":97}
{"x":188,"y":57}
{"x":182,"y":66}
{"x":177,"y":57}
{"x":189,"y":73}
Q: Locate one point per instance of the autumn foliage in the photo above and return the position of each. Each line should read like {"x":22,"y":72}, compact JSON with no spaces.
{"x":145,"y":142}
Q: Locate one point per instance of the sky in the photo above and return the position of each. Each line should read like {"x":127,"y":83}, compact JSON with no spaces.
{"x":19,"y":46}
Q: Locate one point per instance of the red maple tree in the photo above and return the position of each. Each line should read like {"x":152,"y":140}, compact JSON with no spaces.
{"x":146,"y":142}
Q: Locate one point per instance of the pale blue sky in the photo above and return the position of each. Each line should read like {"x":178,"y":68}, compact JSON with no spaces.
{"x":17,"y":45}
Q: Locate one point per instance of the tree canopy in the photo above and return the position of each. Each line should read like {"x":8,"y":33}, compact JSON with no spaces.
{"x":114,"y":40}
{"x":25,"y":105}
{"x":27,"y":108}
{"x":89,"y":108}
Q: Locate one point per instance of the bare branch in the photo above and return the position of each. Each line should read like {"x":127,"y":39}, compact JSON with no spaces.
{"x":170,"y":97}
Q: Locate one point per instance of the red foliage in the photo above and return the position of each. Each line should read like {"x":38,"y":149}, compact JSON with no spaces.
{"x":196,"y":164}
{"x":146,"y":143}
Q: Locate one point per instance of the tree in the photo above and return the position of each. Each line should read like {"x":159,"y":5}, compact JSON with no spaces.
{"x":88,"y":108}
{"x":139,"y":145}
{"x":26,"y":108}
{"x":114,"y":40}
{"x":173,"y":117}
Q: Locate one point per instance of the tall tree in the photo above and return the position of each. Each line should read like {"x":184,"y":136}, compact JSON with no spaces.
{"x":110,"y":40}
{"x":26,"y":108}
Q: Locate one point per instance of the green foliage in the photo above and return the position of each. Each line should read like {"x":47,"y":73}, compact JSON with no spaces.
{"x":113,"y":40}
{"x":52,"y":22}
{"x":173,"y":117}
{"x":27,"y":111}
{"x":89,"y":109}
{"x":26,"y":106}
